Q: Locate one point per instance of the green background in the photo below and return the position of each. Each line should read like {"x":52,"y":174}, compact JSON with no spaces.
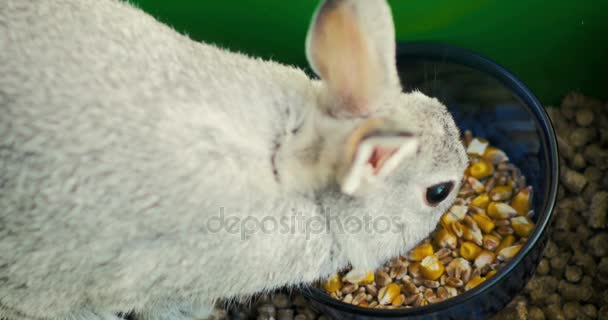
{"x":553,"y":46}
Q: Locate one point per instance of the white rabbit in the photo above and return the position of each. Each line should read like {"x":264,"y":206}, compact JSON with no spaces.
{"x":142,"y":171}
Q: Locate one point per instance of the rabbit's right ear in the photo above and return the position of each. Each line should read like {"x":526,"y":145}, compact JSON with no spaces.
{"x":373,"y":151}
{"x":351,"y":46}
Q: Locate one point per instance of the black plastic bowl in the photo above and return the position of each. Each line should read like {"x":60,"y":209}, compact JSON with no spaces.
{"x":487,"y":99}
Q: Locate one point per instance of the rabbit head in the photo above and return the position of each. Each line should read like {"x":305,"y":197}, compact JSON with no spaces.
{"x":394,"y":157}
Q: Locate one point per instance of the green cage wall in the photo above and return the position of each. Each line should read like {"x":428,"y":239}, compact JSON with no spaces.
{"x":553,"y":46}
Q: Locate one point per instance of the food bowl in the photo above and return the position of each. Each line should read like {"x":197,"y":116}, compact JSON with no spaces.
{"x":491,"y":102}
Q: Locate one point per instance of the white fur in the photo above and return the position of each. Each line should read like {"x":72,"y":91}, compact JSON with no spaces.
{"x":120,"y":139}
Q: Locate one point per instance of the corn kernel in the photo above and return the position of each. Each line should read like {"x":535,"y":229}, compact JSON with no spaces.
{"x":369,"y":279}
{"x":477,"y":147}
{"x":363,"y":304}
{"x":522,"y":201}
{"x":447,"y":219}
{"x":387,"y":294}
{"x":477,"y":186}
{"x":459,"y":268}
{"x":495,"y":155}
{"x":456,"y":213}
{"x":484,"y":258}
{"x":484,"y":222}
{"x":522,"y":226}
{"x":508,"y":252}
{"x":469,"y":250}
{"x":398,"y":301}
{"x":421,"y":251}
{"x":499,"y":210}
{"x":414,"y":268}
{"x":474,"y":282}
{"x":481,"y":169}
{"x":481,"y":201}
{"x":490,"y":242}
{"x":431,"y":268}
{"x":501,"y":193}
{"x":333,"y":284}
{"x":507,"y":241}
{"x":457,"y":228}
{"x":459,"y":211}
{"x":472,"y":234}
{"x":490,"y":273}
{"x":446,"y":239}
{"x":359,"y":277}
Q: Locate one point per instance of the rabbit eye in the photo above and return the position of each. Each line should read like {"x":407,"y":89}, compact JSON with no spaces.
{"x":437,"y":193}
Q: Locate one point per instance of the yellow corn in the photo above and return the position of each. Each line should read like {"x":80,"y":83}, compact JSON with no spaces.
{"x":447,"y":219}
{"x":431,"y":268}
{"x":507,"y":241}
{"x":387,"y":294}
{"x":481,"y":169}
{"x":469,"y":250}
{"x":490,"y":242}
{"x":522,"y":201}
{"x":484,"y":222}
{"x":490,"y":273}
{"x":495,"y":155}
{"x":481,"y":201}
{"x":398,"y":301}
{"x":333,"y":284}
{"x":446,"y":239}
{"x":499,"y":210}
{"x":501,"y":193}
{"x":359,"y":277}
{"x":472,"y":234}
{"x":474,"y":282}
{"x":457,"y":228}
{"x":421,"y":251}
{"x":368,"y":279}
{"x":522,"y":226}
{"x":508,"y":252}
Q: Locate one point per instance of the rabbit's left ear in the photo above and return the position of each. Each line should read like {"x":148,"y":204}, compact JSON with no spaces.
{"x":373,"y":154}
{"x":351,"y":46}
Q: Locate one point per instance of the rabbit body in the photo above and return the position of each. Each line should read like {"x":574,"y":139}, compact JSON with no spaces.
{"x":122,"y":146}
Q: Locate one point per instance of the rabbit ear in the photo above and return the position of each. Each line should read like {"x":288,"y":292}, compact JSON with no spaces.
{"x":351,"y":46}
{"x":374,"y":154}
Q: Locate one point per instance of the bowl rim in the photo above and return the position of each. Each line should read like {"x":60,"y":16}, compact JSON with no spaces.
{"x":450,"y":53}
